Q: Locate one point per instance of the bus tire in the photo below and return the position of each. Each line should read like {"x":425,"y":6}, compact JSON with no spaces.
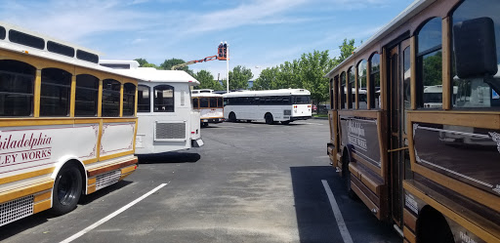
{"x":232,"y":117}
{"x":204,"y":124}
{"x":269,"y":118}
{"x":67,"y":190}
{"x":346,"y":174}
{"x":432,"y":227}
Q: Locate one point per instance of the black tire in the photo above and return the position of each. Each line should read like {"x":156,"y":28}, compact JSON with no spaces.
{"x":67,"y":190}
{"x":346,"y":174}
{"x":269,"y":118}
{"x":204,"y":124}
{"x":232,"y":117}
{"x":285,"y":122}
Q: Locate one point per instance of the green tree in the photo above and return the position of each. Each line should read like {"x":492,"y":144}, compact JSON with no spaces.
{"x":207,"y":81}
{"x":346,"y":49}
{"x":266,"y":80}
{"x":238,"y":78}
{"x":314,"y":67}
{"x":141,"y":61}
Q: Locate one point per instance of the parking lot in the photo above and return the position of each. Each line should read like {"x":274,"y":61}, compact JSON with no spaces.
{"x":251,"y":182}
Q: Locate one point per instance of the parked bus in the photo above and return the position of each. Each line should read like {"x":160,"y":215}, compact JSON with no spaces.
{"x":209,"y":104}
{"x":167,"y":121}
{"x":67,"y":124}
{"x":283,"y":105}
{"x":429,"y":168}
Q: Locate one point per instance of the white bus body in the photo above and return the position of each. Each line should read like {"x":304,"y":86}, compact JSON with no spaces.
{"x":167,"y":121}
{"x":210,"y":105}
{"x":283,"y":105}
{"x":67,"y":125}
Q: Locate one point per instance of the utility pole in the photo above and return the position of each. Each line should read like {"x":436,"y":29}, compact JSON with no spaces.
{"x":227,"y":65}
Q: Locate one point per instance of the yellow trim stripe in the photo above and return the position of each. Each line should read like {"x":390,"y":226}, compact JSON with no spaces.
{"x":26,"y":175}
{"x":29,"y":190}
{"x":44,"y":205}
{"x":43,"y":196}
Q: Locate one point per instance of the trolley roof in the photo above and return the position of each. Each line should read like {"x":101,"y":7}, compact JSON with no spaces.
{"x":43,"y":52}
{"x":279,"y":92}
{"x":412,"y":10}
{"x":150,"y":74}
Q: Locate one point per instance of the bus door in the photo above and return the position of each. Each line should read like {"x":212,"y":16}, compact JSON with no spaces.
{"x":398,"y":102}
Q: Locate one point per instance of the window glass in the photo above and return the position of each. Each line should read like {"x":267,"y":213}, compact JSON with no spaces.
{"x":301,"y":99}
{"x":195,"y":103}
{"x":204,"y":102}
{"x":220,"y":102}
{"x":110,"y":98}
{"x":350,"y":89}
{"x":55,"y":92}
{"x":16,"y":88}
{"x":375,"y":81}
{"x":128,"y":99}
{"x":406,"y":84}
{"x":429,"y":65}
{"x":343,"y":89}
{"x":144,"y":99}
{"x":86,"y":96}
{"x":213,"y":102}
{"x":26,"y":39}
{"x":164,"y":98}
{"x":362,"y":88}
{"x":475,"y":92}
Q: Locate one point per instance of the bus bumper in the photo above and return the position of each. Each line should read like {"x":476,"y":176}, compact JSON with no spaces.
{"x":213,"y":120}
{"x":295,"y":118}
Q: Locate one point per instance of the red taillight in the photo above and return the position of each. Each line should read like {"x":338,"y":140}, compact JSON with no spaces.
{"x":295,"y":106}
{"x":193,"y":132}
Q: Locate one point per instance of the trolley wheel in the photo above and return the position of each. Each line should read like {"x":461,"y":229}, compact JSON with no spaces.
{"x":269,"y":118}
{"x":346,"y":174}
{"x":285,"y":122}
{"x":204,"y":124}
{"x":232,"y":117}
{"x":67,"y":190}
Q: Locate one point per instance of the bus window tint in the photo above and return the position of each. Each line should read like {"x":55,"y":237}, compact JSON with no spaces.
{"x":476,"y":93}
{"x":213,"y":102}
{"x":220,"y":102}
{"x":195,"y":103}
{"x":375,"y":81}
{"x":55,"y":92}
{"x":16,"y":88}
{"x":111,"y":98}
{"x":299,"y":99}
{"x":429,"y":64}
{"x":362,"y":102}
{"x":128,"y":99}
{"x":86,"y":96}
{"x":164,"y":98}
{"x":343,"y":89}
{"x":350,"y":88}
{"x":204,"y":102}
{"x":143,"y":101}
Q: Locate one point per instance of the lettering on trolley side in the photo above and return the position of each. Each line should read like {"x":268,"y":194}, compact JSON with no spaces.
{"x":25,"y":147}
{"x":356,"y":135}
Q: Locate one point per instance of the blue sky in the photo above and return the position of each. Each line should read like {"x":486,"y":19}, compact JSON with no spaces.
{"x":260,"y":33}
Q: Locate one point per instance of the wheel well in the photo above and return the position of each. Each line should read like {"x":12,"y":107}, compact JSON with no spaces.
{"x":80,"y":168}
{"x":432,"y":227}
{"x":346,"y":158}
{"x":268,"y":113}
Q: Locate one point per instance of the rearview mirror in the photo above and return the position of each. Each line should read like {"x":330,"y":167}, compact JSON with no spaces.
{"x":475,"y":48}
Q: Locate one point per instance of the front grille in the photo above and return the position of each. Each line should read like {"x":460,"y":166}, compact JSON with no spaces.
{"x":107,"y":179}
{"x":16,"y":209}
{"x":170,"y":131}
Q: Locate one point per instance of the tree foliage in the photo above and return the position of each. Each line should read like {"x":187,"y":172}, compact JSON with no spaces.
{"x":207,"y":81}
{"x":239,"y":77}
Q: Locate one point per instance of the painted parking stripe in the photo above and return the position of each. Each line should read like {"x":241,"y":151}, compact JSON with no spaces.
{"x":338,"y":215}
{"x":112,"y":215}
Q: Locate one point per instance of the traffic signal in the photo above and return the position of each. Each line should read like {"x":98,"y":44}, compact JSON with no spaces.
{"x":220,"y":51}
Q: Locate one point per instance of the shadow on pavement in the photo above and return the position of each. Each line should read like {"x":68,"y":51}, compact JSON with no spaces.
{"x":169,"y":157}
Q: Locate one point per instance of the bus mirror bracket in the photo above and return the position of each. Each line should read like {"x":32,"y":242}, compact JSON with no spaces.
{"x":475,"y":48}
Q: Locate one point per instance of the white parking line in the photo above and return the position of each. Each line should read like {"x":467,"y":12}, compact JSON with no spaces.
{"x":107,"y":218}
{"x":338,"y":215}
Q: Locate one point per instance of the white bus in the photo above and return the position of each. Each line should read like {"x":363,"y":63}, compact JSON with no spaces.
{"x":167,"y":121}
{"x":210,"y":105}
{"x":283,"y":105}
{"x":67,"y":124}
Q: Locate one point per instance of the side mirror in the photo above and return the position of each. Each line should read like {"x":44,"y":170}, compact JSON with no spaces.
{"x":475,"y":48}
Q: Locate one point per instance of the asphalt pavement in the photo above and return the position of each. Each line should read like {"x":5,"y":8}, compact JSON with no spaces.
{"x":251,"y":182}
